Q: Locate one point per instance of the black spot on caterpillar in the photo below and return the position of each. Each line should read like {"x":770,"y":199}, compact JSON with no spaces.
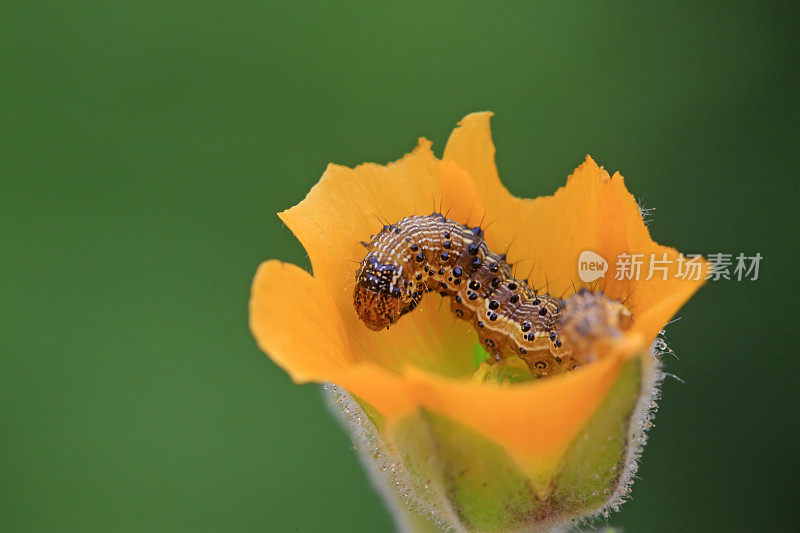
{"x":424,"y":253}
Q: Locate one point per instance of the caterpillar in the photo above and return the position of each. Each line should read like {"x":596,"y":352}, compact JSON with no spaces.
{"x":432,"y":253}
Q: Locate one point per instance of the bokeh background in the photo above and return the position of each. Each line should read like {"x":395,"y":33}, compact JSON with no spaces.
{"x":146,"y":147}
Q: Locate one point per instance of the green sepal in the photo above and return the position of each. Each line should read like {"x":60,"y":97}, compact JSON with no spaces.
{"x":592,"y":465}
{"x":472,"y":482}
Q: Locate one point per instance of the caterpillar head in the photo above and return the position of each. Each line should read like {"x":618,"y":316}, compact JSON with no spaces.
{"x":382,"y":295}
{"x":591,"y":320}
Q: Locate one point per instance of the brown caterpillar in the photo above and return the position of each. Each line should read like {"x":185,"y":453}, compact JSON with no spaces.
{"x":425,"y":253}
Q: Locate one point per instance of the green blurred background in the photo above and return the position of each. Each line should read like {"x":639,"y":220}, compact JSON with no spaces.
{"x":147,"y":145}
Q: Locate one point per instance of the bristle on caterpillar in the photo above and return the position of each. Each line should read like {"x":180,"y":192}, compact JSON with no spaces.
{"x":431,"y":253}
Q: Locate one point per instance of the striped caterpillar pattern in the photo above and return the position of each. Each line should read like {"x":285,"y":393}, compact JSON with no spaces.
{"x":431,"y":253}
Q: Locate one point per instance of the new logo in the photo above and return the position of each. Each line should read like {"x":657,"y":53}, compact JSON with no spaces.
{"x":591,"y":266}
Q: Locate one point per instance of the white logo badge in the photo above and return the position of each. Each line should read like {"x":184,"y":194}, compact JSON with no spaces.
{"x":591,"y":266}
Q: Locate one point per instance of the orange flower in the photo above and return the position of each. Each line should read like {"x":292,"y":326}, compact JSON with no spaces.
{"x":307,"y":324}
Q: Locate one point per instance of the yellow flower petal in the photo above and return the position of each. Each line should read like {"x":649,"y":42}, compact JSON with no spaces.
{"x":349,"y":205}
{"x":295,"y":321}
{"x":592,"y":212}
